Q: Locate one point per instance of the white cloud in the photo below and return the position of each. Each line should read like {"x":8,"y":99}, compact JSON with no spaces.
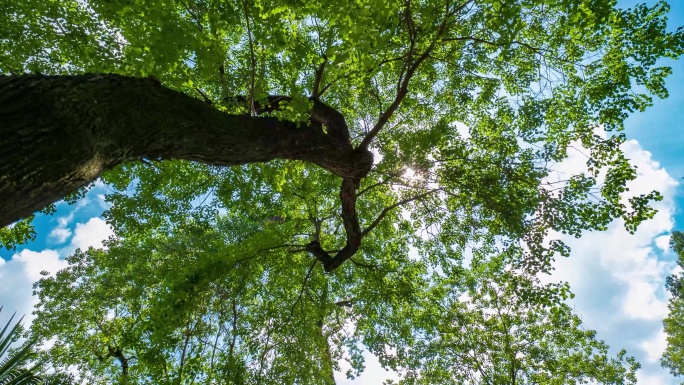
{"x":618,"y":277}
{"x":654,"y":378}
{"x":59,"y":235}
{"x":463,"y":130}
{"x":62,"y":232}
{"x":655,"y":346}
{"x":663,"y":243}
{"x":642,"y":301}
{"x":101,"y":200}
{"x":65,"y":220}
{"x":91,"y":233}
{"x":373,"y":373}
{"x":18,"y":275}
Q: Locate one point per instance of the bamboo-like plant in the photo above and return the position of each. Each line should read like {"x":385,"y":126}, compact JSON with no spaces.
{"x":17,"y":366}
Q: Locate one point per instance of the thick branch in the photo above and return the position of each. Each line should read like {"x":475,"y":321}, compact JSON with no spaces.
{"x":350,"y":220}
{"x":402,"y":91}
{"x":58,"y":133}
{"x":118,"y":354}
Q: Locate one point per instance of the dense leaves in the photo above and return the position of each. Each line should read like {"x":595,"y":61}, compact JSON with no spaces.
{"x":526,"y":78}
{"x":168,"y":318}
{"x":673,"y":357}
{"x":222,"y":275}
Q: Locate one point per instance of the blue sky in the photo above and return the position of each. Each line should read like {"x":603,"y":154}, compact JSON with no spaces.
{"x":618,"y":279}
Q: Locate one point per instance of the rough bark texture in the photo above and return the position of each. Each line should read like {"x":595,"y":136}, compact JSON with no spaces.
{"x":57,"y":133}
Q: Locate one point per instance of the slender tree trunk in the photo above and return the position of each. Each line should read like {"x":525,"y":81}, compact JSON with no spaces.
{"x":327,"y":371}
{"x":58,"y":133}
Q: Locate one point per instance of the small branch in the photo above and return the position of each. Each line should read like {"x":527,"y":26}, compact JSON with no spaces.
{"x":368,"y":71}
{"x":204,"y":95}
{"x":364,"y":265}
{"x":233,"y":329}
{"x":222,"y":79}
{"x":321,"y":113}
{"x":317,"y":227}
{"x":387,"y":209}
{"x":301,"y":291}
{"x":324,"y":89}
{"x":374,"y":185}
{"x":194,"y":16}
{"x":409,"y":24}
{"x":538,"y":51}
{"x":333,"y":120}
{"x":406,"y":74}
{"x":317,"y":80}
{"x":115,"y":352}
{"x":344,"y":303}
{"x":376,"y":95}
{"x":253,"y":60}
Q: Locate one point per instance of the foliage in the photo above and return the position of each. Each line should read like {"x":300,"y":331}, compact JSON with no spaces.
{"x":168,"y":319}
{"x":673,"y":357}
{"x":18,"y":233}
{"x":211,"y":276}
{"x":16,"y":364}
{"x":57,"y":378}
{"x":503,"y":327}
{"x":527,"y":78}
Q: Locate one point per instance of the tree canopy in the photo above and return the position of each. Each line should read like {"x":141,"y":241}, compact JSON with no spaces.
{"x":392,"y":180}
{"x":166,"y":319}
{"x":673,"y":357}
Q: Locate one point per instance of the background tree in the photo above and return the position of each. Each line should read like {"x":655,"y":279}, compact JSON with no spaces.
{"x":673,"y":357}
{"x":166,"y":319}
{"x":500,"y":326}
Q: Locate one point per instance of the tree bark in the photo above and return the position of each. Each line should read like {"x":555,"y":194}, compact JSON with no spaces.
{"x":58,"y":133}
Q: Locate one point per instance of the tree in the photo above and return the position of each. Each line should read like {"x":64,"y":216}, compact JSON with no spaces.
{"x":514,"y":72}
{"x":387,"y":129}
{"x":673,"y":357}
{"x":167,"y":319}
{"x":503,"y":327}
{"x":16,"y":365}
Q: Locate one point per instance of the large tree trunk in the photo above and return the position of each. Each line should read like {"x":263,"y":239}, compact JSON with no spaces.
{"x":58,"y":133}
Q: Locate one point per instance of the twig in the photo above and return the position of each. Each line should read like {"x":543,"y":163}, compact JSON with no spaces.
{"x":390,"y":208}
{"x":317,"y":80}
{"x":253,"y":60}
{"x":407,"y":72}
{"x":365,"y":265}
{"x":374,"y":185}
{"x":301,"y":291}
{"x":194,"y":16}
{"x":204,"y":95}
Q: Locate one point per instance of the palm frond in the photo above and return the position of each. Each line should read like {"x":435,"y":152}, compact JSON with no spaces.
{"x":16,"y":365}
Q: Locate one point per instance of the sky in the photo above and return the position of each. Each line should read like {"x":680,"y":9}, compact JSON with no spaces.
{"x":618,"y":279}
